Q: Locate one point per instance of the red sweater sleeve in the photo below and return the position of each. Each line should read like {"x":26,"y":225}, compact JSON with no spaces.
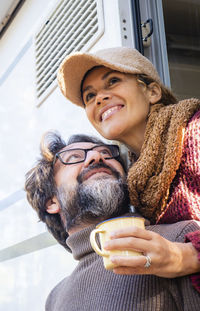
{"x":190,"y":169}
{"x":194,"y":238}
{"x":184,"y":202}
{"x":192,"y":166}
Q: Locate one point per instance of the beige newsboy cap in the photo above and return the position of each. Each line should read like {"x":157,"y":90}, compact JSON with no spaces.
{"x":74,"y":67}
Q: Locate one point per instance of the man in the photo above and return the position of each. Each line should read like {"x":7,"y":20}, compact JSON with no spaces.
{"x":75,"y":186}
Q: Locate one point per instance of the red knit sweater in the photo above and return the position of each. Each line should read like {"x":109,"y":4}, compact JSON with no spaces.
{"x":184,"y":199}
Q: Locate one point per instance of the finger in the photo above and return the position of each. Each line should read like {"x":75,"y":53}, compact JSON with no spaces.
{"x":129,"y":271}
{"x":131,"y":231}
{"x":136,"y":262}
{"x":129,"y":243}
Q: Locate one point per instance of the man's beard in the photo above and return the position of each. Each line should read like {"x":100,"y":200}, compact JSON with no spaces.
{"x":94,"y":201}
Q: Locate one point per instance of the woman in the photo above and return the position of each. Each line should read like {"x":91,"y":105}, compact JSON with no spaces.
{"x":125,"y":100}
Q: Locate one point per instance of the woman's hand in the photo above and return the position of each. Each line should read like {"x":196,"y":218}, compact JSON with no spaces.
{"x":168,"y":259}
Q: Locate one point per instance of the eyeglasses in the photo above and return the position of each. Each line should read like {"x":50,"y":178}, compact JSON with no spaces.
{"x":78,"y":155}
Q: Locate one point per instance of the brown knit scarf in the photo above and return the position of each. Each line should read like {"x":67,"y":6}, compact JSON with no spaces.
{"x":149,"y":178}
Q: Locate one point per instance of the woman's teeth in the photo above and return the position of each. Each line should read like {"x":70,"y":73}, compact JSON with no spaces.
{"x":109,"y":112}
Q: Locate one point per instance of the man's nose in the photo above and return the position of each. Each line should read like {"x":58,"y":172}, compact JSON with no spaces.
{"x":93,"y":157}
{"x":102,"y":97}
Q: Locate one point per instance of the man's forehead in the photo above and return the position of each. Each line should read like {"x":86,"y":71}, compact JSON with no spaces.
{"x":82,"y":145}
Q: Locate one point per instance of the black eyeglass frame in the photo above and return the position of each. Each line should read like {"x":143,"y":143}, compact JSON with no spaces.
{"x":57,"y":155}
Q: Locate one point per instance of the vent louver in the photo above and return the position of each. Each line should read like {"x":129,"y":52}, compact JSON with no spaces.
{"x":74,"y":25}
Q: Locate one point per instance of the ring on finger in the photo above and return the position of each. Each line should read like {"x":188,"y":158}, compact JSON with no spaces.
{"x":148,"y":261}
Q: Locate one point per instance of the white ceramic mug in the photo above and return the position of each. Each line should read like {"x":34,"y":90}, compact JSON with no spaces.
{"x":105,"y":228}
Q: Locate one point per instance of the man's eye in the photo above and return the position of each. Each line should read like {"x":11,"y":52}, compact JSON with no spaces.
{"x":106,"y":152}
{"x":73,"y":157}
{"x":113,"y":80}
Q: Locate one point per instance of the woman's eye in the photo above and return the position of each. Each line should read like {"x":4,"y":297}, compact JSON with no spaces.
{"x":89,"y":96}
{"x":113,"y":81}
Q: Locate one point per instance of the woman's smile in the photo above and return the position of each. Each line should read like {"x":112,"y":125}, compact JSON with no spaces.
{"x":109,"y":111}
{"x":115,"y":103}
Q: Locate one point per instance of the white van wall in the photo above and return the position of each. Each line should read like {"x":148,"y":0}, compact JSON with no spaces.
{"x":27,"y":276}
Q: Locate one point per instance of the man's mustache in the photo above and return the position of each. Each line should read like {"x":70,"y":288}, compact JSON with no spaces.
{"x":114,"y":172}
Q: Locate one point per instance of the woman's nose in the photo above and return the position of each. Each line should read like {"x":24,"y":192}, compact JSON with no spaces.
{"x":93,"y":157}
{"x":102,"y":97}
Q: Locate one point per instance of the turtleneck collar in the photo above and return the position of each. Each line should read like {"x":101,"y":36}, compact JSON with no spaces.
{"x":79,"y":243}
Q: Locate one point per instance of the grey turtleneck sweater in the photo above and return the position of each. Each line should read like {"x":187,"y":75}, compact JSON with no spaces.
{"x":91,"y":288}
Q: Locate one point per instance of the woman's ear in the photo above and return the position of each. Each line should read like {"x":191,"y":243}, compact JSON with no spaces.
{"x":52,"y":206}
{"x":154,"y":92}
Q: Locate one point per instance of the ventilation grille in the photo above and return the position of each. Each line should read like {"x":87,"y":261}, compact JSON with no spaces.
{"x":74,"y":25}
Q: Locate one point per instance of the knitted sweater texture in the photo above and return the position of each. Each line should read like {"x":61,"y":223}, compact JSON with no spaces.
{"x":151,"y":176}
{"x":91,"y":288}
{"x":184,"y":198}
{"x":164,"y":182}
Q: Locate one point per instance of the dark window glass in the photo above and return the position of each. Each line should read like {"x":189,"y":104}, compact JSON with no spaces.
{"x":182,"y":26}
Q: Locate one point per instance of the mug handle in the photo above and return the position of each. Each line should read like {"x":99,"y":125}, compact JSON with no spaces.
{"x":94,"y":243}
